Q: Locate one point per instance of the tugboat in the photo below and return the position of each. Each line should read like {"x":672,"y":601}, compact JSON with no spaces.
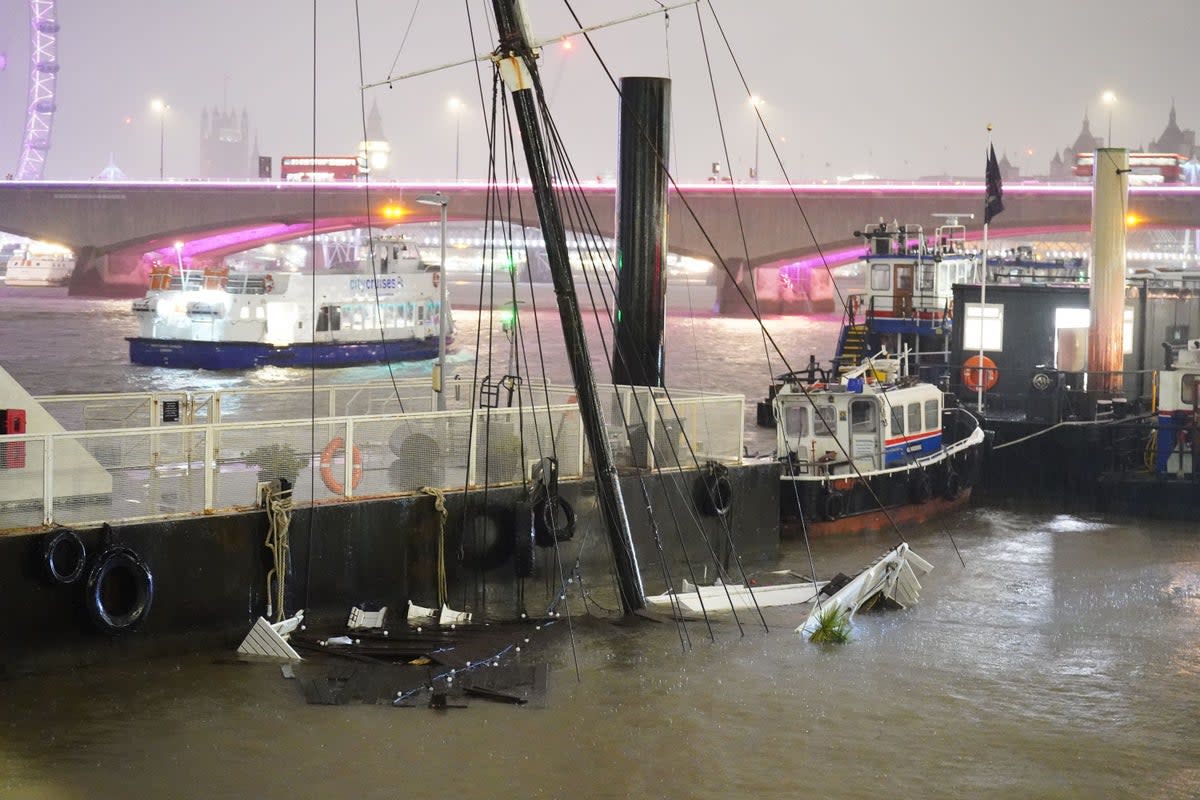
{"x":871,"y":439}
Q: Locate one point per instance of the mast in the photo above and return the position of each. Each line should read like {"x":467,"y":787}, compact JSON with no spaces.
{"x":516,"y":60}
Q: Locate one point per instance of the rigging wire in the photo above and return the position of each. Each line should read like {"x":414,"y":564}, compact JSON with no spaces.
{"x":403,"y":39}
{"x":312,"y":367}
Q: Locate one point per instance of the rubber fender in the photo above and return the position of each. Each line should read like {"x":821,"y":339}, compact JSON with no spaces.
{"x":553,"y":521}
{"x":833,"y":505}
{"x":953,"y":486}
{"x":119,"y":590}
{"x":714,"y":491}
{"x":920,"y":490}
{"x":489,"y":538}
{"x":64,"y":557}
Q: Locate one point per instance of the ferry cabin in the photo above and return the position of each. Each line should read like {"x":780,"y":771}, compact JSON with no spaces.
{"x":879,"y":426}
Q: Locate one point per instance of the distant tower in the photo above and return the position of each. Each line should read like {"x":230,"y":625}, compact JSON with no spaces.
{"x":1174,"y":139}
{"x":224,"y":144}
{"x":1063,"y":166}
{"x":43,"y":76}
{"x":375,"y":151}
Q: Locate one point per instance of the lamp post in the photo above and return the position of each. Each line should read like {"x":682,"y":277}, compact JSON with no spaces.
{"x":441,"y":201}
{"x":756,"y":103}
{"x":1109,"y":98}
{"x":455,"y":106}
{"x":160,"y":108}
{"x":179,"y":256}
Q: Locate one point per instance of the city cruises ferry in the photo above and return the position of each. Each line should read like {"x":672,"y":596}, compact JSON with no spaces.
{"x":872,"y":439}
{"x":212,"y":318}
{"x":40,"y":264}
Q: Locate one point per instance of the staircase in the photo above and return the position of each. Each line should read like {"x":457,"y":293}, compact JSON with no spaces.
{"x":852,"y":347}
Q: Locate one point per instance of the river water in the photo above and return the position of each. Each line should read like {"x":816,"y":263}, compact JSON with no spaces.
{"x":1062,"y":661}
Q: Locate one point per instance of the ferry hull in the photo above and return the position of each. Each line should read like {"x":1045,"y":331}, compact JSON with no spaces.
{"x":186,"y":354}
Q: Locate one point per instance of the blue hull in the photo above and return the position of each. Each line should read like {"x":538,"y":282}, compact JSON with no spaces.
{"x":249,"y":355}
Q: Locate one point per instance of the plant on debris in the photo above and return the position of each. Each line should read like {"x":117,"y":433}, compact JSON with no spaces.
{"x":833,"y":626}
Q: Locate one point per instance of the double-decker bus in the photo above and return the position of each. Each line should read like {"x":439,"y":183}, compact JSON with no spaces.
{"x":320,"y":168}
{"x":1143,"y":167}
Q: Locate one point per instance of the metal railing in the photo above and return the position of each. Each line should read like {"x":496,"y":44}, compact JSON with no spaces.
{"x":129,"y":472}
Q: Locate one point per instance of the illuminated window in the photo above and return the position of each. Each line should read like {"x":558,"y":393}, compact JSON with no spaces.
{"x":244,"y":313}
{"x":983,"y":324}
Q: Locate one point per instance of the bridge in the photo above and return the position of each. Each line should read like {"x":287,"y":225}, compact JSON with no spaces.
{"x":110,"y":226}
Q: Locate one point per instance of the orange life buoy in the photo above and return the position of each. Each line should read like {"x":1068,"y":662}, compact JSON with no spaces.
{"x":979,"y":370}
{"x":331,"y":449}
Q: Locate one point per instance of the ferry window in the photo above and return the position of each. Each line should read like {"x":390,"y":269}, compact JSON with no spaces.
{"x":1128,"y":331}
{"x":925,"y":278}
{"x":826,"y":422}
{"x":984,"y":325}
{"x":881,"y":277}
{"x":260,"y":313}
{"x":1187,"y":388}
{"x":244,"y":313}
{"x":914,"y":417}
{"x":795,"y":421}
{"x":420,"y":314}
{"x":932,"y":421}
{"x":897,"y":420}
{"x":862,"y":417}
{"x":329,"y":318}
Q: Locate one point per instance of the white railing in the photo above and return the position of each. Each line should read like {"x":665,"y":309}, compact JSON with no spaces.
{"x":83,"y":477}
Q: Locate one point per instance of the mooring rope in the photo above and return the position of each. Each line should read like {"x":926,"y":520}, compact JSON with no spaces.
{"x":279,"y":519}
{"x":439,"y":502}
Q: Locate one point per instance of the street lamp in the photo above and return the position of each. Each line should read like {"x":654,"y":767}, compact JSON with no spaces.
{"x":179,"y":255}
{"x":1109,"y":98}
{"x":455,"y":105}
{"x":441,"y":201}
{"x":756,"y":103}
{"x":160,"y":108}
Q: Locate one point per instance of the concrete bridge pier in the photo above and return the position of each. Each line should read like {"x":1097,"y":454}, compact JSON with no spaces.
{"x":99,"y":274}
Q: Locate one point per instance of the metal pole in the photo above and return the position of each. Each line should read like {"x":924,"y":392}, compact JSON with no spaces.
{"x":756,"y":150}
{"x":162,"y":138}
{"x":516,"y":63}
{"x":457,"y":140}
{"x":442,"y":307}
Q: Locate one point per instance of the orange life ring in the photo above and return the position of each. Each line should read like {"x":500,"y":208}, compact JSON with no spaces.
{"x":331,"y":449}
{"x":268,"y":284}
{"x":979,"y":370}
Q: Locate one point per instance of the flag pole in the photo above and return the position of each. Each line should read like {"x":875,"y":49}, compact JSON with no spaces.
{"x":983,"y":292}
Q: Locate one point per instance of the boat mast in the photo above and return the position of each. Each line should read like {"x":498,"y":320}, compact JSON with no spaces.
{"x":516,"y":60}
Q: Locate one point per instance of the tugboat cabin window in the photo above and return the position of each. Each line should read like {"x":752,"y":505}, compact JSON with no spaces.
{"x":925,"y":278}
{"x":983,"y":328}
{"x":1187,"y":389}
{"x":897,"y":420}
{"x":881,"y":277}
{"x":862,"y":417}
{"x":826,"y":422}
{"x":329,"y":318}
{"x":932,"y":420}
{"x":914,"y":417}
{"x":795,"y":421}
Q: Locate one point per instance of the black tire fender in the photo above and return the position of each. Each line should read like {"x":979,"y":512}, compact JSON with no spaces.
{"x":119,"y":590}
{"x":64,"y":557}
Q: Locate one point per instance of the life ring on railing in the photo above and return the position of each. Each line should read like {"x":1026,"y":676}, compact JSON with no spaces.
{"x":331,"y":449}
{"x":979,"y":371}
{"x":120,"y":590}
{"x":64,"y":556}
{"x":268,"y":284}
{"x":854,"y":304}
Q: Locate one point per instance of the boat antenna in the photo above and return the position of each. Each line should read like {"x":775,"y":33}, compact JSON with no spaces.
{"x":516,"y":61}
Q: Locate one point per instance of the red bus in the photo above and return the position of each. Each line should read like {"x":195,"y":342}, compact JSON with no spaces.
{"x":320,"y":168}
{"x":1143,"y":167}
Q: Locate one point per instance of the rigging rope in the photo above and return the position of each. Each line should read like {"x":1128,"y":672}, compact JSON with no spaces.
{"x":279,"y":519}
{"x":439,"y":503}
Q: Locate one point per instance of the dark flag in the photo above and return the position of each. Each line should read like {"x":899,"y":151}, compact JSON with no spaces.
{"x":994,"y":202}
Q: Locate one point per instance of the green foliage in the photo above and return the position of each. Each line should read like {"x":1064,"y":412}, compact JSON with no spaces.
{"x":276,"y":461}
{"x":833,"y":626}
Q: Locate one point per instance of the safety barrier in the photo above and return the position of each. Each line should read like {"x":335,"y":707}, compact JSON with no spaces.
{"x":84,"y":477}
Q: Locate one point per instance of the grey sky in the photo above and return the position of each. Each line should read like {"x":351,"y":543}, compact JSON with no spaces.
{"x":899,"y":89}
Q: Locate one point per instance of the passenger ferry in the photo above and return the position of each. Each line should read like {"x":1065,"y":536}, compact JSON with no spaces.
{"x":874,"y":438}
{"x":40,"y":264}
{"x":212,"y":318}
